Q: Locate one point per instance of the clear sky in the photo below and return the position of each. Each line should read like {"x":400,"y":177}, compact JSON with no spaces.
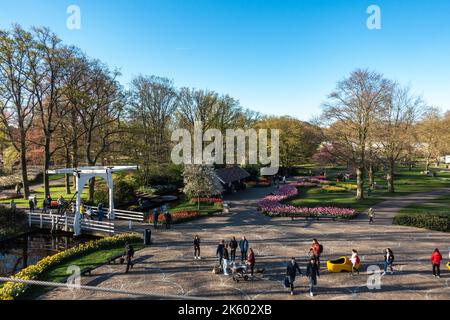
{"x":278,"y":57}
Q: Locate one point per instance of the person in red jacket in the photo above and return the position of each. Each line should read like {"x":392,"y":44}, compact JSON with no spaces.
{"x":251,"y":261}
{"x":436,"y":259}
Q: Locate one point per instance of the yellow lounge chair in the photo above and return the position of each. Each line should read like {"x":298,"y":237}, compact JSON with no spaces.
{"x":448,"y":265}
{"x":342,"y":264}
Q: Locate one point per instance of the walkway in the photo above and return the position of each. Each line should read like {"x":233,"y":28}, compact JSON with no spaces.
{"x":167,"y":266}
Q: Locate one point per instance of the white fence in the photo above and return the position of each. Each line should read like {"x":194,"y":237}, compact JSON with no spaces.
{"x":123,"y":214}
{"x":65,"y":222}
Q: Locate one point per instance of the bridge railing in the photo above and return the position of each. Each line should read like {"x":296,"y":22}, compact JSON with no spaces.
{"x":123,"y":214}
{"x":65,"y":222}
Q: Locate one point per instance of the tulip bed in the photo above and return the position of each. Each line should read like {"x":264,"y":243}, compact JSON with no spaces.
{"x":272,"y":205}
{"x":207,"y":200}
{"x":177,"y":217}
{"x":12,"y":290}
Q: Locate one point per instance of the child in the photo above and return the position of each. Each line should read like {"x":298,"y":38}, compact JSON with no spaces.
{"x":436,"y":259}
{"x":355,"y":261}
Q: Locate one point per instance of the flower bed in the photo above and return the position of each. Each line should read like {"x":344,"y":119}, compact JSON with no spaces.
{"x":207,"y":200}
{"x":272,"y":206}
{"x":177,"y":217}
{"x":12,"y":290}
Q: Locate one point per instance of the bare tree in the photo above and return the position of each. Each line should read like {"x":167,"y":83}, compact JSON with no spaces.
{"x":352,"y":109}
{"x":17,"y":92}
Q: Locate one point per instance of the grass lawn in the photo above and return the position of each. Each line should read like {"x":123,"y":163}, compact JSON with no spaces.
{"x":406,"y":182}
{"x":59,"y":273}
{"x":55,"y":191}
{"x":205,"y":209}
{"x":439,"y":206}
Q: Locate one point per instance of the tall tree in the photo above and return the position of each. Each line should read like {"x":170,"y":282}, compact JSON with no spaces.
{"x":17,"y":96}
{"x":352,"y":108}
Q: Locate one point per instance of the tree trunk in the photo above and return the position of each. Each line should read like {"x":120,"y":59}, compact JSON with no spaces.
{"x":370,"y":174}
{"x":359,"y":183}
{"x":46,"y":165}
{"x":23,"y":165}
{"x":390,"y":176}
{"x":91,"y":189}
{"x":67,"y":176}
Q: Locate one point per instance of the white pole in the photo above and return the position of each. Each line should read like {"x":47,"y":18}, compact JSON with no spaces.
{"x":130,"y":225}
{"x":29,"y":219}
{"x":41,"y":221}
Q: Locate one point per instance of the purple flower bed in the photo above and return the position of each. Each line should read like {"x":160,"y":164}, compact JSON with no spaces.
{"x":272,"y":206}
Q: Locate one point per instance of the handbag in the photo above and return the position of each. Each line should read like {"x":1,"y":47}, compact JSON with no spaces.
{"x":287,"y":282}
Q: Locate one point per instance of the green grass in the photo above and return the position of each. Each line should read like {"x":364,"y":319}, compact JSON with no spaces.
{"x":55,"y":191}
{"x":59,"y":273}
{"x":406,"y":182}
{"x":440,"y":206}
{"x":205,"y":209}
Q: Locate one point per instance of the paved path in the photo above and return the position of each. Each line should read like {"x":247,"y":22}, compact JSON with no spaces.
{"x":385,"y":211}
{"x":167,"y":266}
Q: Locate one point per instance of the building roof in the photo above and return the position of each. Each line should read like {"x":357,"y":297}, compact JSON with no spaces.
{"x":231,"y":174}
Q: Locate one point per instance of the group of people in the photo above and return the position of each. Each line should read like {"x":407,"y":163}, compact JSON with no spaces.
{"x":226,"y":253}
{"x":167,"y":216}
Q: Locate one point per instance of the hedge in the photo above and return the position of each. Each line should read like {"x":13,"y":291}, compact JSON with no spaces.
{"x":437,"y":222}
{"x":12,"y":290}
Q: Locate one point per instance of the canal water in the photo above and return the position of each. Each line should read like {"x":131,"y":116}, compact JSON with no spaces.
{"x":21,"y":252}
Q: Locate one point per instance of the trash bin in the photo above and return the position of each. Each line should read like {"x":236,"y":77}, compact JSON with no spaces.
{"x":147,"y":237}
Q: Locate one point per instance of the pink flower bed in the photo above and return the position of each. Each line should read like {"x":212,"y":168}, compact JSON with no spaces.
{"x":272,"y":205}
{"x":207,"y":200}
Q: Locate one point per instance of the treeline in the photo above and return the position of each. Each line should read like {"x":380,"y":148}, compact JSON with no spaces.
{"x":375,"y":123}
{"x":59,"y":107}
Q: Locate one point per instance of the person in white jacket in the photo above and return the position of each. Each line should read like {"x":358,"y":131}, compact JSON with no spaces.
{"x":355,"y":261}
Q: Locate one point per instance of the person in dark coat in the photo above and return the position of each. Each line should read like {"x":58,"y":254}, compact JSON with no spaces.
{"x":129,"y":254}
{"x":100,"y":211}
{"x":197,"y":247}
{"x":226,"y":258}
{"x":32,"y":206}
{"x":388,"y":260}
{"x":233,"y":247}
{"x":155,"y":218}
{"x":219,"y":251}
{"x":243,"y":245}
{"x":168,"y":218}
{"x":312,"y":272}
{"x":291,"y":273}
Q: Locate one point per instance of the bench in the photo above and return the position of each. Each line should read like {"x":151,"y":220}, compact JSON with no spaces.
{"x":88,"y":270}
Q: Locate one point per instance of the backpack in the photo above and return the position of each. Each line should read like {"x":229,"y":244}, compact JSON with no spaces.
{"x":320,"y":248}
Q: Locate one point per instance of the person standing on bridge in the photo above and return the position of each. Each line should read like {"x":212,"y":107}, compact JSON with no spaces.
{"x":31,"y":204}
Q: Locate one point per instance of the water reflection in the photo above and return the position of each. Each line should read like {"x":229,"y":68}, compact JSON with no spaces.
{"x":21,"y":252}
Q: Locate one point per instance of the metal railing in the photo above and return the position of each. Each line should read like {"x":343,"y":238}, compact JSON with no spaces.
{"x":123,"y":214}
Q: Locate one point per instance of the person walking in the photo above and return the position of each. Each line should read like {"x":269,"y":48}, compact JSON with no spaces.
{"x":219,"y":251}
{"x":155,"y":218}
{"x":243,"y":246}
{"x":168,"y":219}
{"x":371,"y":215}
{"x":388,"y":260}
{"x":61,"y":201}
{"x":291,"y":273}
{"x":226,"y":260}
{"x":355,"y":261}
{"x":233,"y":247}
{"x":315,"y":251}
{"x":312,"y":272}
{"x":251,"y":261}
{"x":197,"y":247}
{"x":31,"y":204}
{"x":436,"y":259}
{"x":12,"y":205}
{"x":129,"y":254}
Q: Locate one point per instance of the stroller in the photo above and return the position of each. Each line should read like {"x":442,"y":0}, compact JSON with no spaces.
{"x":240,"y":273}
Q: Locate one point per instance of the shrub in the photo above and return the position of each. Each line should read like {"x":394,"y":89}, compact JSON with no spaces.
{"x":12,"y":290}
{"x":432,"y":221}
{"x":11,"y":221}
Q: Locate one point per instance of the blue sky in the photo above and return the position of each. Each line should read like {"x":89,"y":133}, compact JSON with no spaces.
{"x":277,"y":57}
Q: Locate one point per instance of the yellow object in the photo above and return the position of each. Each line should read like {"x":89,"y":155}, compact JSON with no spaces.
{"x":448,"y":265}
{"x":340,"y":265}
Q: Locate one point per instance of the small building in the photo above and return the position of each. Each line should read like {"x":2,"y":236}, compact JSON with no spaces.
{"x":232,"y":178}
{"x":445,"y":159}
